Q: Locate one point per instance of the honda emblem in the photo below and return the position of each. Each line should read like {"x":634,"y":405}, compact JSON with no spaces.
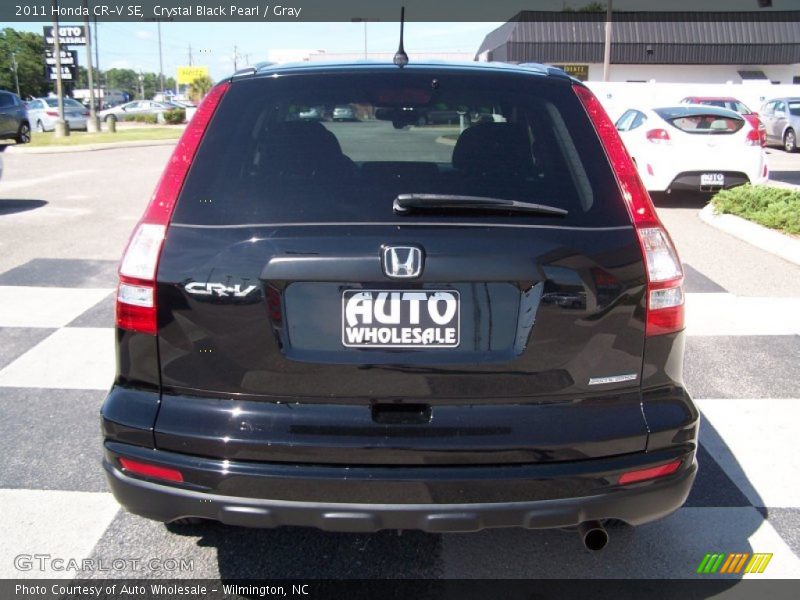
{"x":402,"y":262}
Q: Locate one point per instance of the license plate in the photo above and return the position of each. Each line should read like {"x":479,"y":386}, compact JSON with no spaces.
{"x":712,"y":179}
{"x":401,"y":318}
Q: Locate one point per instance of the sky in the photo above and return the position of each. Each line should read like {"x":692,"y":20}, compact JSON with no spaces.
{"x":135,"y":45}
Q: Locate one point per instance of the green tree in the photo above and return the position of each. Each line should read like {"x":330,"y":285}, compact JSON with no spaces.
{"x":28,"y":48}
{"x":126,"y":80}
{"x":199,"y":88}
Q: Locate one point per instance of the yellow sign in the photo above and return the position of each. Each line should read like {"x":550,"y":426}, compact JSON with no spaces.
{"x":187,"y":75}
{"x":580,"y":72}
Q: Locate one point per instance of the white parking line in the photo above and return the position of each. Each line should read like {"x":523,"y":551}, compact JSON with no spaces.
{"x":63,"y":525}
{"x":6,"y":185}
{"x":28,"y":306}
{"x":728,"y":314}
{"x":71,"y":358}
{"x":754,"y":441}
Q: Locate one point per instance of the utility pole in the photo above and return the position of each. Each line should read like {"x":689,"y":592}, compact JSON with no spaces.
{"x":141,"y":84}
{"x":16,"y":74}
{"x":92,"y":125}
{"x":235,"y":58}
{"x":190,"y":55}
{"x":97,"y":63}
{"x":160,"y":61}
{"x":364,"y":20}
{"x":607,"y":49}
{"x":61,"y":126}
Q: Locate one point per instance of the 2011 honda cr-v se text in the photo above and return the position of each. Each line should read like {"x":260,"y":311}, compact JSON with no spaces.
{"x":378,"y":323}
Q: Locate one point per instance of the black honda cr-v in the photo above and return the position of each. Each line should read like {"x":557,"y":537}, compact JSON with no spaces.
{"x":376,"y":324}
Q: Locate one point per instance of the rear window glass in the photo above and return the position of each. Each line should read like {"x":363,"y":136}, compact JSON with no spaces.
{"x":794,"y":108}
{"x":341,"y":146}
{"x":700,"y":122}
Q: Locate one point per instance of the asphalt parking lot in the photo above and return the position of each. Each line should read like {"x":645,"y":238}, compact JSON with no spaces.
{"x":64,"y":220}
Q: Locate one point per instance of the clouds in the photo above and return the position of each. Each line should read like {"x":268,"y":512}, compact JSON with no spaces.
{"x":144,"y":35}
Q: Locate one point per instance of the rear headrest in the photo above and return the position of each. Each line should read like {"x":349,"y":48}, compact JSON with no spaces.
{"x":300,"y":149}
{"x":493,"y":149}
{"x":306,"y":138}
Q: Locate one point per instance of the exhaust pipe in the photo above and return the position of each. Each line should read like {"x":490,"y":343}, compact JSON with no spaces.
{"x":593,"y":535}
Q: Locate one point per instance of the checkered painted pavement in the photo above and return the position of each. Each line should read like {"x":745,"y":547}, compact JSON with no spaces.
{"x":56,"y":362}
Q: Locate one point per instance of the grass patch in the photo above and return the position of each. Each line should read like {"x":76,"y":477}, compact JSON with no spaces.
{"x":777,"y":208}
{"x":79,"y":138}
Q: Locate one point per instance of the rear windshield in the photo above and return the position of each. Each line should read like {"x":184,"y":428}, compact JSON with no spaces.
{"x":341,"y":146}
{"x":695,"y":121}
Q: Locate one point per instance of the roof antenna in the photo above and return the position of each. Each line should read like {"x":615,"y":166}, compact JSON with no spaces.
{"x":400,"y":57}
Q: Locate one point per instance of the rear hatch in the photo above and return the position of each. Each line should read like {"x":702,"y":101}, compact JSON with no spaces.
{"x":365,"y":282}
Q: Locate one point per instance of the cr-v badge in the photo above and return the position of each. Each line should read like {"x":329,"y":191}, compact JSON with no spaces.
{"x":402,"y":262}
{"x":220,"y":289}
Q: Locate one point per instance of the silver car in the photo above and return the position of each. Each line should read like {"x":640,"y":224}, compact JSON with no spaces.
{"x":781,"y":117}
{"x":43,"y":114}
{"x":137,"y":107}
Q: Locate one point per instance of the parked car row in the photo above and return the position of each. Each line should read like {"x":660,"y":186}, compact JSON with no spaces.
{"x":137,"y":107}
{"x":781,"y":118}
{"x":14,"y":123}
{"x":707,"y":143}
{"x":43,"y":114}
{"x":692,"y":147}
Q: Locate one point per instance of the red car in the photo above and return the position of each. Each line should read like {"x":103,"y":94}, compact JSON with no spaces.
{"x":734,"y":105}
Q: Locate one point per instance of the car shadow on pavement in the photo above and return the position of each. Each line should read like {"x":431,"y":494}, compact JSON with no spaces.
{"x":681,"y":199}
{"x":11,"y":206}
{"x":792,"y":177}
{"x":719,"y":517}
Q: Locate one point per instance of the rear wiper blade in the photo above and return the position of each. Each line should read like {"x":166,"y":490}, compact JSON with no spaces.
{"x":408,"y":203}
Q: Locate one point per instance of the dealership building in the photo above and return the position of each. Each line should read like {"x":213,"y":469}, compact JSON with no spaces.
{"x":673,"y":47}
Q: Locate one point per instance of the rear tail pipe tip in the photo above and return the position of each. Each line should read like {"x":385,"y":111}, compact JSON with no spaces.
{"x":593,"y":535}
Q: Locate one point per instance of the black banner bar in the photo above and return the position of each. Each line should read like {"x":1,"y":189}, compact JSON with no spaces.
{"x":292,"y":11}
{"x":416,"y":589}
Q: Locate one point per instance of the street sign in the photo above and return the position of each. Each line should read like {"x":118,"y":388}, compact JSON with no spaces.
{"x":68,"y":58}
{"x":68,"y":72}
{"x":68,"y":35}
{"x":187,"y":75}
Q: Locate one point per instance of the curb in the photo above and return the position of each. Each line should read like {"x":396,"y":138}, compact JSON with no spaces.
{"x":779,"y":244}
{"x":90,"y":147}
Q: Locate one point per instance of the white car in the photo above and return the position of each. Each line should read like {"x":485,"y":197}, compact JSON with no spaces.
{"x":692,"y":147}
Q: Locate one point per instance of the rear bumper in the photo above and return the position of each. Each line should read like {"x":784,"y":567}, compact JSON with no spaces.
{"x":690,"y":181}
{"x":434,"y":499}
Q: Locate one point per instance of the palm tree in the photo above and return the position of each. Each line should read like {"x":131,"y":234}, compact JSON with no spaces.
{"x":199,"y":88}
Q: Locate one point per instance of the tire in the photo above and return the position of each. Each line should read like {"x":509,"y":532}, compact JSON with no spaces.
{"x":110,"y":118}
{"x":23,"y":133}
{"x":40,"y":127}
{"x":790,"y":141}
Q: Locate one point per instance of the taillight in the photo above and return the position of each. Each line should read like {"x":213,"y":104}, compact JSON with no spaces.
{"x":651,"y":473}
{"x":663,"y":267}
{"x":149,"y":470}
{"x":753,"y":137}
{"x":136,"y":295}
{"x":51,"y":113}
{"x":658,"y":136}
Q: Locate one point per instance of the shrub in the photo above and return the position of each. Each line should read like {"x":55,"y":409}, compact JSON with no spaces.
{"x":778,"y":208}
{"x":175,"y":116}
{"x":152,"y":119}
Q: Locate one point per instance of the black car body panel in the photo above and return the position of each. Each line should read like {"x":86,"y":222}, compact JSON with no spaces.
{"x":250,"y":390}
